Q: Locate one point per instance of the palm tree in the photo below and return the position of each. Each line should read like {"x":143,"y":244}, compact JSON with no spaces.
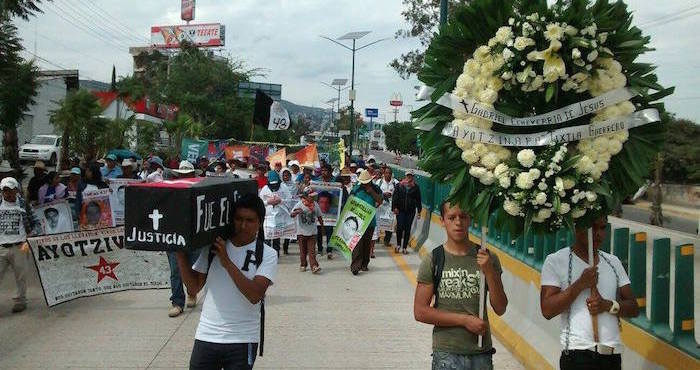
{"x":184,"y":126}
{"x":77,"y":118}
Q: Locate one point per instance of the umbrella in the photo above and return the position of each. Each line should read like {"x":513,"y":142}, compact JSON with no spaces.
{"x":124,"y":153}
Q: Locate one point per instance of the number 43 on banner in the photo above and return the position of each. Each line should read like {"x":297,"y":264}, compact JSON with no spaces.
{"x":279,"y":117}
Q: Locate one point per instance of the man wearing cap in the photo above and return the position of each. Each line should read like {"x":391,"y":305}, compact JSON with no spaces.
{"x":407,"y":204}
{"x":184,"y":170}
{"x":36,"y":182}
{"x":156,"y":164}
{"x":128,"y":167}
{"x":110,"y":170}
{"x":16,"y":222}
{"x":294,"y":167}
{"x":370,"y":193}
{"x":273,"y":195}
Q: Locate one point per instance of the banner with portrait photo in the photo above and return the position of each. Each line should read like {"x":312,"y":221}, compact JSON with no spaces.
{"x":288,"y":204}
{"x":54,"y":218}
{"x":117,"y":190}
{"x":89,"y":263}
{"x":10,"y":223}
{"x":330,"y":199}
{"x":385,"y":217}
{"x":95,"y":212}
{"x":354,"y":219}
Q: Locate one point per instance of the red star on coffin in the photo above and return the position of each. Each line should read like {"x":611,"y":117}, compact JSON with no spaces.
{"x":104,"y":269}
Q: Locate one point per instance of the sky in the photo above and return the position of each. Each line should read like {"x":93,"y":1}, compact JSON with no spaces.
{"x":282,"y":38}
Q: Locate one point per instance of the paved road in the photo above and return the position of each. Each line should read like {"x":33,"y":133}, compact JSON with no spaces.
{"x":330,"y":321}
{"x":672,"y":221}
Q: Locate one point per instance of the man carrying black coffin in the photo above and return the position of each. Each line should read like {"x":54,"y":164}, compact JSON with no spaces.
{"x":237,"y":273}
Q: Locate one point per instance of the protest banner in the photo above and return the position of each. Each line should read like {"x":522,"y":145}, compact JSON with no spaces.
{"x":54,"y":218}
{"x":330,"y":200}
{"x":308,"y":156}
{"x":95,"y":212}
{"x":193,"y":149}
{"x":240,"y":152}
{"x":88,"y":263}
{"x":184,"y":214}
{"x":117,"y":189}
{"x":354,"y":219}
{"x":278,"y":156}
{"x":215,"y":149}
{"x":288,"y":204}
{"x":258,"y":153}
{"x":10,"y":221}
{"x":385,"y":217}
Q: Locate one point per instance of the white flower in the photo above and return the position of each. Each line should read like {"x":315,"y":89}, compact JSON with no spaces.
{"x":526,"y":157}
{"x":542,"y":185}
{"x":524,"y":181}
{"x":507,"y":75}
{"x":570,"y":30}
{"x":504,"y":182}
{"x":564,"y":208}
{"x":568,"y":183}
{"x":541,"y":198}
{"x":534,"y":174}
{"x":542,"y":215}
{"x":614,"y":146}
{"x":591,"y":196}
{"x":488,"y":96}
{"x":490,"y":160}
{"x":576,"y":53}
{"x":480,"y":149}
{"x":511,"y":21}
{"x":578,"y":212}
{"x":488,"y":178}
{"x":527,"y":29}
{"x":511,"y":207}
{"x":584,"y":165}
{"x":504,"y":34}
{"x":482,"y":53}
{"x":592,"y":56}
{"x":533,"y":17}
{"x":553,"y":32}
{"x":507,"y":54}
{"x":523,"y":42}
{"x":501,"y":169}
{"x":470,"y":156}
{"x":602,"y":37}
{"x":477,"y":171}
{"x":472,"y":67}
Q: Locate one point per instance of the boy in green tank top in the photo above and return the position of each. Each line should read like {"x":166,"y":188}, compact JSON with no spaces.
{"x":456,"y":321}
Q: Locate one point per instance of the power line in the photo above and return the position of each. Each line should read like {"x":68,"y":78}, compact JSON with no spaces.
{"x":82,"y":53}
{"x":101,"y":22}
{"x":677,"y":18}
{"x":115,"y":21}
{"x":668,"y":17}
{"x":82,"y":27}
{"x":54,"y":64}
{"x":89,"y":20}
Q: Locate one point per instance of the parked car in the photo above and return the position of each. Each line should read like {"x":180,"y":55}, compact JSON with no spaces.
{"x":42,"y":147}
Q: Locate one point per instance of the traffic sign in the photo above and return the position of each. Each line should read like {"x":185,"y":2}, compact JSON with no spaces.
{"x":371,"y":112}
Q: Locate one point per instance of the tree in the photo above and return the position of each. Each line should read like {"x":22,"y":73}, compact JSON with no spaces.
{"x":681,"y":153}
{"x":422,"y":17}
{"x":182,"y":127}
{"x":77,"y":117}
{"x":18,"y":87}
{"x":19,"y":8}
{"x":400,"y":137}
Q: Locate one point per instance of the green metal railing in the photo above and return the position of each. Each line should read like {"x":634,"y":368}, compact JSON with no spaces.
{"x":630,"y":248}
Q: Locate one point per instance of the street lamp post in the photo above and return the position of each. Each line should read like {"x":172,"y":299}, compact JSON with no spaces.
{"x":354,"y":36}
{"x":339,"y":82}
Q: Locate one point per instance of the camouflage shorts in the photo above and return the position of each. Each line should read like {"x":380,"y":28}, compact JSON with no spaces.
{"x":451,"y":361}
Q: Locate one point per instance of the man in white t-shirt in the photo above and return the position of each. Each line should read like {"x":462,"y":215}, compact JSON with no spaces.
{"x":387,"y":184}
{"x":229,"y":328}
{"x":566,"y":281}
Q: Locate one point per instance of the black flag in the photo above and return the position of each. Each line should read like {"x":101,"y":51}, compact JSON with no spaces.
{"x":269,"y":113}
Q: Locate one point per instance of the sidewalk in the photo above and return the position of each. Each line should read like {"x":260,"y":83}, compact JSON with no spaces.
{"x":671,"y":209}
{"x":330,"y":321}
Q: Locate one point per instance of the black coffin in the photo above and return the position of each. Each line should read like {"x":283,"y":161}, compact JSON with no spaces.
{"x":184,"y":214}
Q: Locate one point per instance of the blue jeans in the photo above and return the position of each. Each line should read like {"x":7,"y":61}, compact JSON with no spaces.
{"x":177,"y":292}
{"x":452,"y":361}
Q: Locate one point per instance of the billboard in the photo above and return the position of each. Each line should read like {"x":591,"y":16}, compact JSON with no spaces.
{"x":187,"y":10}
{"x":209,"y":34}
{"x":371,"y":112}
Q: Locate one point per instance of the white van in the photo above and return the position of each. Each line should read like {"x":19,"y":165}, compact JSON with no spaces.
{"x":46,"y":148}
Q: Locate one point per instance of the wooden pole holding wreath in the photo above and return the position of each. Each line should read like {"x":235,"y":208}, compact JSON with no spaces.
{"x":482,"y":283}
{"x":594,"y":290}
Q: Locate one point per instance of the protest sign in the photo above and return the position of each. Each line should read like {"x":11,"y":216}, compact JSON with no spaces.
{"x":354,"y":219}
{"x":54,"y":218}
{"x":215,"y":149}
{"x":10,"y":221}
{"x":117,"y":189}
{"x":184,"y":214}
{"x":95,"y":212}
{"x":330,"y":200}
{"x":385,"y":217}
{"x":240,"y":152}
{"x":88,"y":263}
{"x":288,"y":204}
{"x":258,"y":154}
{"x":308,"y":156}
{"x":192,"y":149}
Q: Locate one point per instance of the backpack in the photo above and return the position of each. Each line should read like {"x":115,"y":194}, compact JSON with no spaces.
{"x":438,"y":262}
{"x":259,"y":248}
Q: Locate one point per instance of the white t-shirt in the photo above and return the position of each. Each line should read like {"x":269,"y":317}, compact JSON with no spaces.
{"x":387,"y":187}
{"x":11,"y":225}
{"x":227,"y":315}
{"x":306,"y":219}
{"x":555,"y":273}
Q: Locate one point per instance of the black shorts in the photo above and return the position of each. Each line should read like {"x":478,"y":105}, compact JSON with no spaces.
{"x":215,"y":356}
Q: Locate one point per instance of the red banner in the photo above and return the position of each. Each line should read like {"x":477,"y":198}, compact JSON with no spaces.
{"x":308,"y":156}
{"x":278,"y":156}
{"x":240,"y":152}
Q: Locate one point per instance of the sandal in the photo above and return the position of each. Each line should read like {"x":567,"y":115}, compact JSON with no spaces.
{"x":316,"y":269}
{"x":397,"y":249}
{"x":405,"y":251}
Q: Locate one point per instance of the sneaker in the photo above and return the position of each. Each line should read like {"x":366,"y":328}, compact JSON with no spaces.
{"x":330,"y":256}
{"x":355,"y":272}
{"x":19,"y":307}
{"x":302,"y":268}
{"x":316,"y":269}
{"x":191,"y":301}
{"x":175,"y":311}
{"x":372,"y":256}
{"x":397,"y":249}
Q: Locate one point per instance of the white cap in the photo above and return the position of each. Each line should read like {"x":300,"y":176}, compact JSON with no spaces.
{"x":9,"y":182}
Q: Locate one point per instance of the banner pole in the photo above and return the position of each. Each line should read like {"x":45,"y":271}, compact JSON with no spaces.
{"x":482,"y":284}
{"x":594,"y":290}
